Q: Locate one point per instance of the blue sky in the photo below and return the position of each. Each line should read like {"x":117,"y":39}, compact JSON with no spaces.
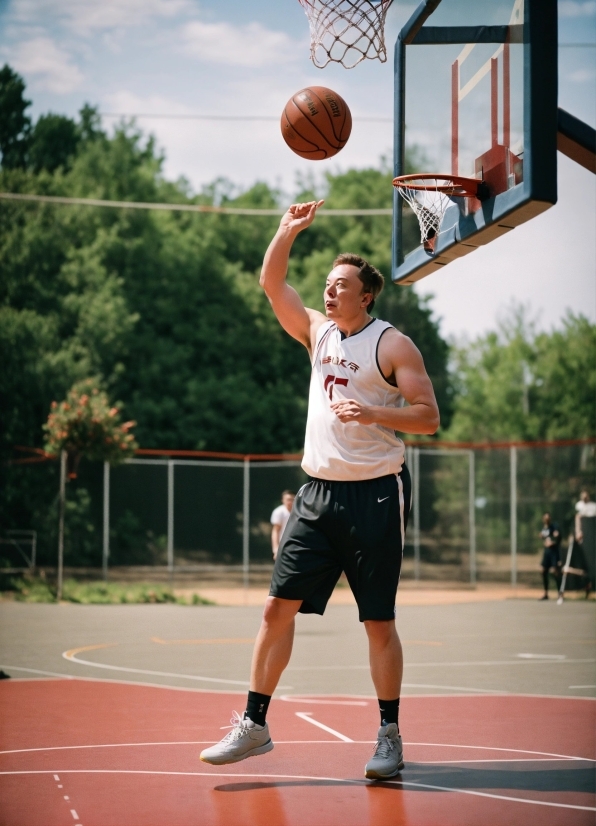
{"x":235,"y":57}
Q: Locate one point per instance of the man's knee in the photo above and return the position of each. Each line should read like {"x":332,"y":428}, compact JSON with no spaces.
{"x":280,"y":611}
{"x":380,"y":630}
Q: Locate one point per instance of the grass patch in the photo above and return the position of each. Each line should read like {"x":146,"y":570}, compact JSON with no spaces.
{"x":26,"y":589}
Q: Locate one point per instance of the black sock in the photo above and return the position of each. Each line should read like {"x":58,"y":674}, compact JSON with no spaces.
{"x":256,"y":707}
{"x":389,"y":712}
{"x":545,"y":579}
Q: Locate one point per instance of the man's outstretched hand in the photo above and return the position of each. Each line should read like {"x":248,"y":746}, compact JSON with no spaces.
{"x":300,"y":216}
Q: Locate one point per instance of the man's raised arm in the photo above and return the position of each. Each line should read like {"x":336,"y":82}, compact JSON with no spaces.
{"x":294,"y":317}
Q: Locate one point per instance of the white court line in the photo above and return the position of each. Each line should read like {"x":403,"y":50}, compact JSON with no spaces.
{"x":298,"y":698}
{"x":343,"y":780}
{"x":194,"y":689}
{"x":72,"y":658}
{"x":556,"y":759}
{"x":74,"y":814}
{"x":306,"y":715}
{"x":37,"y":671}
{"x":582,"y":686}
{"x":542,"y":656}
{"x":448,"y":664}
{"x":457,"y":688}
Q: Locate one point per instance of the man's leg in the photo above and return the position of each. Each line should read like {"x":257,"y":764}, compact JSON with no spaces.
{"x":250,"y":734}
{"x":386,"y":668}
{"x":386,"y":658}
{"x":274,"y":644}
{"x":545,"y":581}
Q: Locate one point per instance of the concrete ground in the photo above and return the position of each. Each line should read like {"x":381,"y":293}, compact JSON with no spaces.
{"x":455,"y":646}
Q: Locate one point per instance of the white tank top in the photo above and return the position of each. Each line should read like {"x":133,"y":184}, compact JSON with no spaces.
{"x":348,"y":368}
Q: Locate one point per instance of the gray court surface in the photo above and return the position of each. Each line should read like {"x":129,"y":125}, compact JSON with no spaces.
{"x":511,"y":646}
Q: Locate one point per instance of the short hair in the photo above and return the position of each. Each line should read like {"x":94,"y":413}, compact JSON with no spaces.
{"x":288,"y":493}
{"x":372,"y":280}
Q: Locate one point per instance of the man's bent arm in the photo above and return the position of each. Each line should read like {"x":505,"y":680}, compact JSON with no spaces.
{"x":421,"y":417}
{"x":294,"y":317}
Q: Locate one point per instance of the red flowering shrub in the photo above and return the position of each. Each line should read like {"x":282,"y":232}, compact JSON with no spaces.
{"x":85,"y":424}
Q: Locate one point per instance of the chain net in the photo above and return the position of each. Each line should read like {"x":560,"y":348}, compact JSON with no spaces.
{"x":346,"y":31}
{"x":429,"y":205}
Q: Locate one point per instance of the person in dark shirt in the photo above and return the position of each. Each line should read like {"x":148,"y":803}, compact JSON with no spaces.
{"x":551,"y":558}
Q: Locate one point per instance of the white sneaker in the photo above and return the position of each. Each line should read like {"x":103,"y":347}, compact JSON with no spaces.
{"x":246,"y":739}
{"x":388,"y":757}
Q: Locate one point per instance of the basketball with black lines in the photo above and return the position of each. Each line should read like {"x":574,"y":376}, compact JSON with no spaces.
{"x":316,"y":123}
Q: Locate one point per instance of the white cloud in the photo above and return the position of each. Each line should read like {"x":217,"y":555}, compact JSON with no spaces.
{"x":49,"y":65}
{"x":88,"y":16}
{"x":251,"y":46}
{"x":581,"y":75}
{"x":577,"y":8}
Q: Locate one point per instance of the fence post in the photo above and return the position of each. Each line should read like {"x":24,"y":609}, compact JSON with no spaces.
{"x":513,"y":512}
{"x":416,"y":451}
{"x":171,"y":517}
{"x":106,"y":519}
{"x":472,"y":513}
{"x":246,"y":523}
{"x":61,"y":525}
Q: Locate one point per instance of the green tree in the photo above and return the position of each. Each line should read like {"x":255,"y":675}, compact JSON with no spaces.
{"x":517,"y":383}
{"x":14,"y":123}
{"x":164,"y":308}
{"x":53,"y":143}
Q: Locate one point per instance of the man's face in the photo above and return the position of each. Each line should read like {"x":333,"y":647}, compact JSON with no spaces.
{"x":344,"y":295}
{"x":584,"y":496}
{"x":288,"y":501}
{"x":546,"y":518}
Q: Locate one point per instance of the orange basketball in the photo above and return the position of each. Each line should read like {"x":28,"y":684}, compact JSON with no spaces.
{"x":316,"y":123}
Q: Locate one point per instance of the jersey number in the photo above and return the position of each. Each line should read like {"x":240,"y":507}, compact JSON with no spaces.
{"x":331,"y":380}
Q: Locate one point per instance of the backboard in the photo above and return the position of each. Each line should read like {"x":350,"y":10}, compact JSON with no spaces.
{"x":475,"y":96}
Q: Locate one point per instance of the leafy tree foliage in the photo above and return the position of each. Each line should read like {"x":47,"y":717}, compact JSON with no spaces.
{"x":14,"y":123}
{"x":162,"y":308}
{"x":521,"y":384}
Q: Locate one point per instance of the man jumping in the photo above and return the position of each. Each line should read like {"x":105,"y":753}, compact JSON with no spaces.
{"x":352,"y":514}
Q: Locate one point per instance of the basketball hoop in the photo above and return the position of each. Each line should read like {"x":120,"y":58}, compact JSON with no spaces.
{"x":429,"y":194}
{"x":346,"y":31}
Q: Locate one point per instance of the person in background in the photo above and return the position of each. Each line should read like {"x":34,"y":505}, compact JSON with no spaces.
{"x":585,"y":536}
{"x":279,"y":518}
{"x":551,"y":558}
{"x":584,"y":509}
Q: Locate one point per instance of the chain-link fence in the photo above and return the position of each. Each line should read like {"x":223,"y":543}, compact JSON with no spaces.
{"x":476,"y":512}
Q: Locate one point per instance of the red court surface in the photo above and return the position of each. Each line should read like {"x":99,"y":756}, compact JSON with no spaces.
{"x":101,"y":753}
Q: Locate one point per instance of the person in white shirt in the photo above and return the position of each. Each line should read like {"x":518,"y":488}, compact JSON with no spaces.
{"x":279,"y":518}
{"x":584,"y":509}
{"x":368,"y":381}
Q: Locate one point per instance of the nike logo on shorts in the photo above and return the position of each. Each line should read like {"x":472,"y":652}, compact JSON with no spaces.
{"x":383,"y":499}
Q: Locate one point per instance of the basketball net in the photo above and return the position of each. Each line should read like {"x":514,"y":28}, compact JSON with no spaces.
{"x":429,"y":196}
{"x":346,"y":31}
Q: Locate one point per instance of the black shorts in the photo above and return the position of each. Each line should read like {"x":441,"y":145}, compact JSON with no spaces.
{"x":551,"y":558}
{"x":356,"y":527}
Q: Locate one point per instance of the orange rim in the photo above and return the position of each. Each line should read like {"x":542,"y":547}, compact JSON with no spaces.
{"x":454,"y":184}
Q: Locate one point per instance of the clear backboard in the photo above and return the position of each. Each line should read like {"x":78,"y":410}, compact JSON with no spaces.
{"x":475,"y":96}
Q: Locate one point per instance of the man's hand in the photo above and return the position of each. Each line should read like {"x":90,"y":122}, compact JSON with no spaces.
{"x":348,"y":410}
{"x":300,"y":216}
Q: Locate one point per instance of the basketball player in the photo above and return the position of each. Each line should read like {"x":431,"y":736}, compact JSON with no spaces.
{"x":352,"y":515}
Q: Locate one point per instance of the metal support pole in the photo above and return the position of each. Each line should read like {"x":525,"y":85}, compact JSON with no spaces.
{"x":472,"y":515}
{"x":416,"y":451}
{"x":399,"y":147}
{"x":33,"y":549}
{"x":61,"y":525}
{"x":106,"y":520}
{"x":513,"y":512}
{"x":246,"y":524}
{"x":170,"y":517}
